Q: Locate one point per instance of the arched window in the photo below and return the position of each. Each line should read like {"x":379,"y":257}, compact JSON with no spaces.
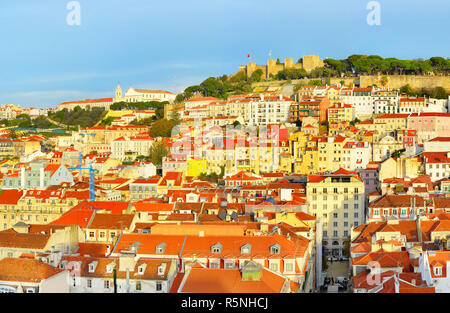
{"x":246,"y":249}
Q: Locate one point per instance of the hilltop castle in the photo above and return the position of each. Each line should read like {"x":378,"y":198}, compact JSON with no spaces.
{"x":308,"y":62}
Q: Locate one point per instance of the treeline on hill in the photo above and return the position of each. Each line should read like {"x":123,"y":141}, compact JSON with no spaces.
{"x":359,"y":64}
{"x":222,"y":87}
{"x":24,"y":120}
{"x":78,"y":116}
{"x":151,"y":105}
{"x":373,"y":64}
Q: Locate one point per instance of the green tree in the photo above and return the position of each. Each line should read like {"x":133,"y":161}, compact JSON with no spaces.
{"x":406,"y":89}
{"x":161,"y":128}
{"x":157,"y":152}
{"x":256,"y":75}
{"x":438,"y":93}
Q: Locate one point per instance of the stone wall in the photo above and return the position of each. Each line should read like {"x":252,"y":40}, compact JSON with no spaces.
{"x":416,"y":82}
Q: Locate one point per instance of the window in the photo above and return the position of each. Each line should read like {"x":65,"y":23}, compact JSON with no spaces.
{"x":274,"y":267}
{"x":217,"y":248}
{"x":102,"y":234}
{"x":229,"y":265}
{"x":161,"y":248}
{"x":158,"y":286}
{"x":89,"y":283}
{"x":91,"y":234}
{"x":355,"y":215}
{"x":106,"y":284}
{"x":246,"y":249}
{"x":289,"y":267}
{"x":275,"y":249}
{"x":138,"y":286}
{"x":437,"y":270}
{"x":214,"y":265}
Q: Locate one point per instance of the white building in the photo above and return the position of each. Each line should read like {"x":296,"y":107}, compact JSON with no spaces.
{"x":22,"y":275}
{"x":128,"y":148}
{"x":143,"y":95}
{"x":434,"y":267}
{"x":96,"y":274}
{"x":267,"y":110}
{"x":356,"y":155}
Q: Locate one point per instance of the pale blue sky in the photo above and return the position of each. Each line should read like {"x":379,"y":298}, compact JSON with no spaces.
{"x":173,"y":44}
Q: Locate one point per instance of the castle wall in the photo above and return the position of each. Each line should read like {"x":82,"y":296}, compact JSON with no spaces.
{"x":415,"y":81}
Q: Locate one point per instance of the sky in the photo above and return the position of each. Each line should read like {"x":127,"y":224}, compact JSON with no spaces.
{"x":173,"y":44}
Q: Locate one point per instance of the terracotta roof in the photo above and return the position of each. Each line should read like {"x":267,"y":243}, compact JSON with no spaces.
{"x":208,"y":280}
{"x":111,"y":221}
{"x":23,"y":241}
{"x":10,"y":196}
{"x":26,"y":270}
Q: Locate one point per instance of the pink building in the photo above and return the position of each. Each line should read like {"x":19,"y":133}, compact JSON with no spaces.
{"x":429,"y":125}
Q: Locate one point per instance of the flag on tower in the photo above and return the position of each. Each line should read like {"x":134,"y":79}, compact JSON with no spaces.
{"x":248,"y":55}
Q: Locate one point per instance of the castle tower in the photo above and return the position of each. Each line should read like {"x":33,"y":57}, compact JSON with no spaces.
{"x":271,"y":65}
{"x":251,"y":67}
{"x":288,"y":63}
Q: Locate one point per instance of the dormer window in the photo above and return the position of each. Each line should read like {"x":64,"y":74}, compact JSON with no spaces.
{"x":110,"y":267}
{"x":161,"y":248}
{"x":275,"y":249}
{"x":162,"y":269}
{"x":437,"y":270}
{"x":217,"y":248}
{"x":141,"y":269}
{"x":246,"y":249}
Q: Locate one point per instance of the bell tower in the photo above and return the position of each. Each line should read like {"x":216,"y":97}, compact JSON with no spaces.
{"x":118,"y":93}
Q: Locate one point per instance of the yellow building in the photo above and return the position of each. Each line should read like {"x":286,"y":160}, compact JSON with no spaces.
{"x":305,"y":153}
{"x":33,"y":206}
{"x":341,"y":112}
{"x":330,"y":153}
{"x":195,"y":167}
